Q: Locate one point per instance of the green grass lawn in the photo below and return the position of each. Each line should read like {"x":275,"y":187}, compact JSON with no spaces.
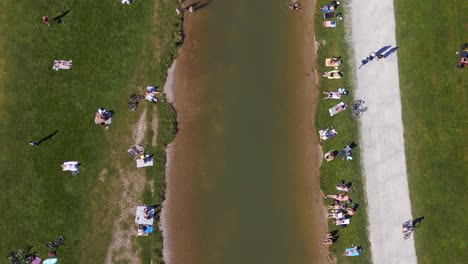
{"x":116,"y":50}
{"x":331,"y":42}
{"x":434,"y":94}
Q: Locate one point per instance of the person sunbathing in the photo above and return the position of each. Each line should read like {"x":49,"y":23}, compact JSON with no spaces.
{"x":342,"y":221}
{"x":337,"y":214}
{"x":332,"y":95}
{"x":336,"y":206}
{"x":70,"y":166}
{"x":350,"y":211}
{"x":342,"y":186}
{"x":334,"y":60}
{"x":148,"y":213}
{"x":342,"y":197}
{"x":352,"y":251}
{"x":330,"y":155}
{"x":333,"y":74}
{"x":328,"y":239}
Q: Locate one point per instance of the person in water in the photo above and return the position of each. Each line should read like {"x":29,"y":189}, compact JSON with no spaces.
{"x":295,"y":7}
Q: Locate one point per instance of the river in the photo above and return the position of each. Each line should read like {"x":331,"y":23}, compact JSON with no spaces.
{"x":242,"y":181}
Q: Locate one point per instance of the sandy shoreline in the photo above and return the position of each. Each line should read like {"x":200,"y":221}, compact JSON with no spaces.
{"x":179,"y":78}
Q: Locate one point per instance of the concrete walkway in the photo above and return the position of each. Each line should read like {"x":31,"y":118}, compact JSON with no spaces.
{"x":382,"y":145}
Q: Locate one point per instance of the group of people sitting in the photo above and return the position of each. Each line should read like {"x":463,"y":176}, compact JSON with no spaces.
{"x":341,"y":209}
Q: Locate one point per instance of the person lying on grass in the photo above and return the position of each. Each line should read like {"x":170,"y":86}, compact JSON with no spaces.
{"x":333,"y":74}
{"x":337,"y":214}
{"x":342,"y":197}
{"x":336,"y":206}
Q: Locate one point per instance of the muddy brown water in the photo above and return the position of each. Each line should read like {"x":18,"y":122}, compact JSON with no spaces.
{"x":242,"y":183}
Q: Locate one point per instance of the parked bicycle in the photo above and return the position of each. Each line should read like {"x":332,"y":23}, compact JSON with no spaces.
{"x":54,"y":245}
{"x":358,"y":108}
{"x":135,"y":151}
{"x":134,"y":100}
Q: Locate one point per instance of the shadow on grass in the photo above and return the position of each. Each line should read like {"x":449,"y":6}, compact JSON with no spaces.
{"x":417,"y":221}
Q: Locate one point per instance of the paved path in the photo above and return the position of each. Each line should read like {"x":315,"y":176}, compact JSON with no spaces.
{"x":382,"y":145}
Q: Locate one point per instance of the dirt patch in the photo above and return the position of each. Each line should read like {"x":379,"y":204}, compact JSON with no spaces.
{"x":140,"y":128}
{"x":154,"y":127}
{"x":122,"y":247}
{"x":131,"y":183}
{"x":103,"y":174}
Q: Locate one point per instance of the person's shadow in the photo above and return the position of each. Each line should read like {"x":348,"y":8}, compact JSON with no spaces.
{"x":381,"y":50}
{"x":200,"y":5}
{"x":58,"y":19}
{"x":417,"y":221}
{"x":47,"y":137}
{"x":390,"y":52}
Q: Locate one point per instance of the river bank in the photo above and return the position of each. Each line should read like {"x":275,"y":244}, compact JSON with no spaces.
{"x":219,"y":205}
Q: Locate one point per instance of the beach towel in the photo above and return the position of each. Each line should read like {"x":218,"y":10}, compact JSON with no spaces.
{"x":50,"y":261}
{"x":140,"y":217}
{"x":352,"y":252}
{"x":330,"y":24}
{"x":337,"y":108}
{"x":342,"y":222}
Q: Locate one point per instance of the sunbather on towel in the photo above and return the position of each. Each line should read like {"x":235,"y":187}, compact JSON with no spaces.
{"x":70,"y":166}
{"x":330,"y":155}
{"x":335,"y":59}
{"x":353,"y":251}
{"x":342,"y":186}
{"x":350,"y":211}
{"x":342,"y":221}
{"x":337,"y":214}
{"x":333,"y":74}
{"x":336,"y":206}
{"x":342,"y":197}
{"x":151,"y":94}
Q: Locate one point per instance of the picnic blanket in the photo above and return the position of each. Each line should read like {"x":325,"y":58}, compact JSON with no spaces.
{"x":140,"y":217}
{"x":337,"y":108}
{"x":140,"y":163}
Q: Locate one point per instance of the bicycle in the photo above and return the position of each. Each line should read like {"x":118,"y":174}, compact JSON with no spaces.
{"x":134,"y":100}
{"x":54,"y":245}
{"x":135,"y":151}
{"x":358,"y":108}
{"x":407,"y":229}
